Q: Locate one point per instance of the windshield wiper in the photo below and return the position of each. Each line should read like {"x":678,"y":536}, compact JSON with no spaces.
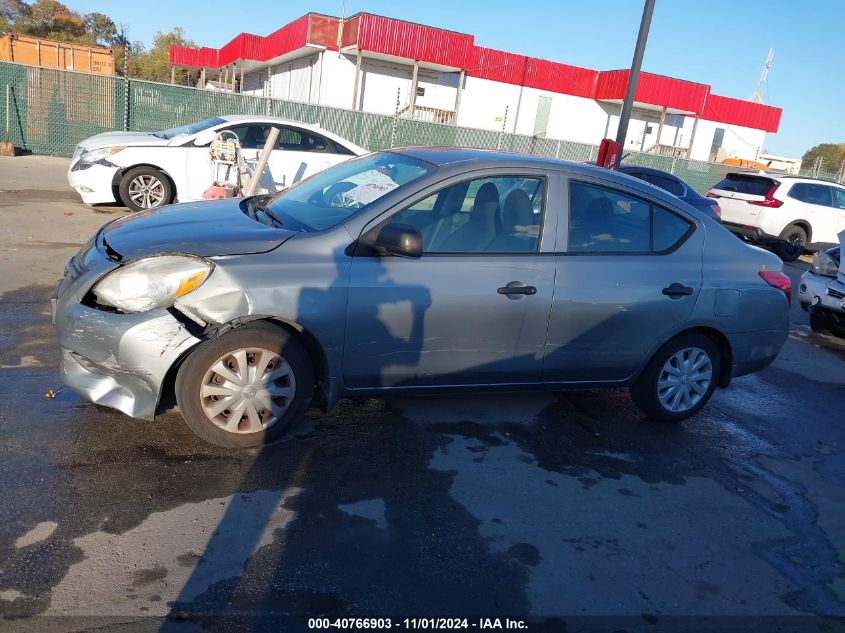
{"x":257,"y":205}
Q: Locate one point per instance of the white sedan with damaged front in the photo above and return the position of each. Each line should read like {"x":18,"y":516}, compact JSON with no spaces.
{"x":147,"y":170}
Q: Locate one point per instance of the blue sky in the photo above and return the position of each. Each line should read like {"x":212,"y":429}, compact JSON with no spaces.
{"x":720,"y":42}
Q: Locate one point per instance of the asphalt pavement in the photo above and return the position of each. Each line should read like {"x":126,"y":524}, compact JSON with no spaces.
{"x":565,"y":511}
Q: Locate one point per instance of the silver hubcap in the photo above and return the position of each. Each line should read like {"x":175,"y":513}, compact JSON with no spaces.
{"x":247,"y":390}
{"x":684,"y":379}
{"x":146,"y":191}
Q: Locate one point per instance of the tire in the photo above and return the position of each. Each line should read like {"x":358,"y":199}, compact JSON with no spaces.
{"x":837,"y":326}
{"x":259,"y":424}
{"x":822,"y":322}
{"x":795,"y":238}
{"x":819,"y":322}
{"x":143,"y":188}
{"x":645,"y":392}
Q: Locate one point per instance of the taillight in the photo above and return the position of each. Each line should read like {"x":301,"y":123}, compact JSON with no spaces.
{"x":769,"y":201}
{"x":778,"y":280}
{"x":716,"y":209}
{"x":710,"y":194}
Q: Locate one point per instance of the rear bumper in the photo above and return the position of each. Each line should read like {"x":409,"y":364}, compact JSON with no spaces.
{"x":751,"y":234}
{"x":754,"y":351}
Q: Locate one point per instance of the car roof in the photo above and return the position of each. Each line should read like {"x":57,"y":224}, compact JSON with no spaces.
{"x":484,"y":158}
{"x":792,"y":177}
{"x":447,"y":155}
{"x":626,"y":167}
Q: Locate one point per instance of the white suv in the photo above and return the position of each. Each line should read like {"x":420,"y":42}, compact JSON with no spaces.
{"x":787,"y":213}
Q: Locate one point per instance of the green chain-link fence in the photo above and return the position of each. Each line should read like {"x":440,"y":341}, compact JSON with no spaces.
{"x":49,"y":111}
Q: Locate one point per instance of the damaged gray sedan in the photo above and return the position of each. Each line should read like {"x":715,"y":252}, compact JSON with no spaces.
{"x":415,"y":270}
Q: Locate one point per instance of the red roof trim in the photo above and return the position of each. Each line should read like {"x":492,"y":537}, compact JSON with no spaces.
{"x":532,"y":72}
{"x":739,"y":112}
{"x":413,"y":41}
{"x":655,"y":90}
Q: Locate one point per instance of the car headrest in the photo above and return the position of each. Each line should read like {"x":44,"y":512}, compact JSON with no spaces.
{"x":486,"y":205}
{"x":517,"y":210}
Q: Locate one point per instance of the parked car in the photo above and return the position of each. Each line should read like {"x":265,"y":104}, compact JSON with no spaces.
{"x":422,"y":269}
{"x":675,"y":186}
{"x":789,"y":214}
{"x":148,"y":170}
{"x":822,"y":291}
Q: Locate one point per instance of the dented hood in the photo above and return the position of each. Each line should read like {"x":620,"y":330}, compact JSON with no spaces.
{"x":214,"y":227}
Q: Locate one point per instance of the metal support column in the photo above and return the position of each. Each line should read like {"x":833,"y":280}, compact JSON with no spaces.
{"x":660,"y":127}
{"x":461,"y":77}
{"x":414,"y":87}
{"x":357,"y":80}
{"x":692,"y":135}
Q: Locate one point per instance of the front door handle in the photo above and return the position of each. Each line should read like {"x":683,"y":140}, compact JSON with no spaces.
{"x":677,"y":290}
{"x":516,"y":290}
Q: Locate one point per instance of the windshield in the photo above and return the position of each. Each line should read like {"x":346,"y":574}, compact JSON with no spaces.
{"x":191,"y":128}
{"x":340,"y":192}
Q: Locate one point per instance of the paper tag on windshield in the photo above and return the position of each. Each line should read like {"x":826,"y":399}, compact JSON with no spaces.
{"x":365,"y":194}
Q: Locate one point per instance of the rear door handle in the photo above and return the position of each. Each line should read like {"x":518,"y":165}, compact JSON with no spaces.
{"x":677,"y":290}
{"x":516,"y":289}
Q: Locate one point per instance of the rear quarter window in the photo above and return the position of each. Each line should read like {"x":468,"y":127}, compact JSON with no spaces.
{"x":748,"y":184}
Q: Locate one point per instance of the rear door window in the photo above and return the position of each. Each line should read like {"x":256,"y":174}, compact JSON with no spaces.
{"x":604,"y":221}
{"x":746,"y":183}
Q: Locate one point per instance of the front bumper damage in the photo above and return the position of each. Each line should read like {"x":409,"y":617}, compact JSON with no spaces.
{"x":817,"y":291}
{"x":94,"y":182}
{"x":120,"y":361}
{"x":113,"y":359}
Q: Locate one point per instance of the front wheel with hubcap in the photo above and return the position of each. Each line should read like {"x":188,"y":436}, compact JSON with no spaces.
{"x":245,"y":388}
{"x":679,"y":379}
{"x":144,"y":188}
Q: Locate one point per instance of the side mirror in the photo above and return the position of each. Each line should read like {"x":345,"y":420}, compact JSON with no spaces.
{"x":402,"y":240}
{"x":205,"y":137}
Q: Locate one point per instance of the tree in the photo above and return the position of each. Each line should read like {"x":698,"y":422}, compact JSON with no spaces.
{"x":43,"y":18}
{"x":155,"y":63}
{"x":831,"y":153}
{"x":12,"y":10}
{"x":101,"y":29}
{"x":136,"y":53}
{"x":53,"y":20}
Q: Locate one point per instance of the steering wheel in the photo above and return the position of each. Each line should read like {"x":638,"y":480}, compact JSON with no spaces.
{"x":333,"y":196}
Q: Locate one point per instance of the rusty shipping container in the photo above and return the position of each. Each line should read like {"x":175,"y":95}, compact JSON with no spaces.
{"x":37,"y":51}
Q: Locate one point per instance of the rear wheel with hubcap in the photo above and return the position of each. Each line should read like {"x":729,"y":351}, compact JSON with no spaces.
{"x":246,"y":387}
{"x":679,"y":379}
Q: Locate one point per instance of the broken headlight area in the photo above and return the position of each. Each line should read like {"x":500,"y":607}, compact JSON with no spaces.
{"x":95,"y":157}
{"x":153,"y":282}
{"x":825,"y":264}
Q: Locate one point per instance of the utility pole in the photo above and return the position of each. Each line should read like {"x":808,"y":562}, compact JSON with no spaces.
{"x":633,"y":77}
